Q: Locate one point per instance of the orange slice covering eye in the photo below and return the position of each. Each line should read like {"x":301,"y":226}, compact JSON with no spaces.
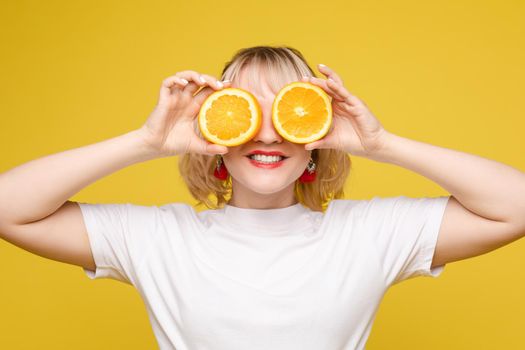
{"x":302,"y":112}
{"x":230,"y":117}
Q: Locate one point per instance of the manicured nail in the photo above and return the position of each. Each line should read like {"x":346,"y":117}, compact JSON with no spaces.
{"x":201,"y":78}
{"x":219,"y":84}
{"x":226,"y":81}
{"x":321,"y":65}
{"x":184,"y":81}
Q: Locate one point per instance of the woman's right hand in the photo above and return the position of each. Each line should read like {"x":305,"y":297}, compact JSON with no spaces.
{"x":170,"y":128}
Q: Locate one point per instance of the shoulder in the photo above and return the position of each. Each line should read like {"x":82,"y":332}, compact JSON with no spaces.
{"x":181,"y":213}
{"x":378,"y":202}
{"x":138,"y":210}
{"x":136,"y":213}
{"x":353,"y":206}
{"x":382,"y":206}
{"x":181,"y":209}
{"x":390,"y":208}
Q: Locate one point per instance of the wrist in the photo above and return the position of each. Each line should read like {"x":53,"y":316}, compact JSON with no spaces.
{"x":383,"y":153}
{"x":147,"y":150}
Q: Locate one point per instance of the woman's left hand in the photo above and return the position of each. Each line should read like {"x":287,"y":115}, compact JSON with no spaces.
{"x":354,"y":128}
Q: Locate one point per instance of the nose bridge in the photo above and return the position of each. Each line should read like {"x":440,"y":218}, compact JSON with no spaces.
{"x":267,"y":132}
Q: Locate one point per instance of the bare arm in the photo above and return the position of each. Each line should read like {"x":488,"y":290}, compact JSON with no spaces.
{"x":38,"y":188}
{"x":486,"y":209}
{"x":35,"y":213}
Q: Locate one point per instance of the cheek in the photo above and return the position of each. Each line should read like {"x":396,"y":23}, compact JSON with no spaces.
{"x":232,"y":161}
{"x":303,"y":163}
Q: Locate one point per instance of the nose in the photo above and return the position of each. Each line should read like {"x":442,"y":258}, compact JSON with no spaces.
{"x":267,"y":133}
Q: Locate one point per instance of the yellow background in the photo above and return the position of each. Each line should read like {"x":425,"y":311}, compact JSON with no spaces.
{"x":450,"y":73}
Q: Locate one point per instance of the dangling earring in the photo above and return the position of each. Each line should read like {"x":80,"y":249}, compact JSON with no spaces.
{"x":309,"y":173}
{"x":220,"y":172}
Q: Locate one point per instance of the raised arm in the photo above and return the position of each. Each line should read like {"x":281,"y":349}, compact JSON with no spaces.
{"x":34,"y":190}
{"x":487,"y":205}
{"x":35,"y":213}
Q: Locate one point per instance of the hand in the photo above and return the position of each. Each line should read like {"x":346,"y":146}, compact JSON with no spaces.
{"x":354,"y":128}
{"x":171,"y":129}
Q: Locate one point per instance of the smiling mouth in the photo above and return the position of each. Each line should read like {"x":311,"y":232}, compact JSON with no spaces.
{"x":259,"y":158}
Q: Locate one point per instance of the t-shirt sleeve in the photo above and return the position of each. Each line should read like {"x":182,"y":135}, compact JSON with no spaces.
{"x":120,"y":236}
{"x":405,"y":232}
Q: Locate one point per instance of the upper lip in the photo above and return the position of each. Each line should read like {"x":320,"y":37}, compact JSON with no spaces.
{"x":267,"y":153}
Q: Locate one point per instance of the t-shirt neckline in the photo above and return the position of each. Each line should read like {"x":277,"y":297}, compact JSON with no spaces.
{"x":278,"y":219}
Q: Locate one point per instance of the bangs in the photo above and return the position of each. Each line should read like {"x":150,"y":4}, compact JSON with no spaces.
{"x":274,"y":71}
{"x":257,"y":75}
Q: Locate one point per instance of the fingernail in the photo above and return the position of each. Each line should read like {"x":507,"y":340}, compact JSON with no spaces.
{"x":332,"y":80}
{"x":201,"y":78}
{"x":321,"y":65}
{"x":184,"y":81}
{"x":220,"y":84}
{"x":226,"y":81}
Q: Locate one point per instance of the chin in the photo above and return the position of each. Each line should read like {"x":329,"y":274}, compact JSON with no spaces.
{"x":266,"y":184}
{"x":264,"y":181}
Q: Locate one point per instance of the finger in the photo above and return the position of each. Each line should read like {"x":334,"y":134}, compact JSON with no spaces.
{"x":330,"y":73}
{"x":202,"y":95}
{"x":216,"y":149}
{"x":212,"y":81}
{"x":170,"y":85}
{"x":344,"y":93}
{"x":174,"y":81}
{"x":209,"y":81}
{"x":194,"y":85}
{"x":206,"y":147}
{"x":195,"y":81}
{"x":324,"y":85}
{"x":190,"y":75}
{"x":319,"y":144}
{"x":200,"y":80}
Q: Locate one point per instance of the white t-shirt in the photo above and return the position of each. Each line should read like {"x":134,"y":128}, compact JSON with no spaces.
{"x":290,"y":278}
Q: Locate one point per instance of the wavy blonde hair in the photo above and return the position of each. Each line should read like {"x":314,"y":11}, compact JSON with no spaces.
{"x":282,"y":64}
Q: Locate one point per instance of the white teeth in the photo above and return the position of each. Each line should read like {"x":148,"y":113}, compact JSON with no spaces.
{"x":266,"y":159}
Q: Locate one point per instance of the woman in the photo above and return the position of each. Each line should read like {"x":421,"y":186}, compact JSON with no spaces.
{"x":277,"y":262}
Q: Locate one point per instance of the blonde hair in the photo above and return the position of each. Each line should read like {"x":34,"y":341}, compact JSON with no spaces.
{"x":282,"y":64}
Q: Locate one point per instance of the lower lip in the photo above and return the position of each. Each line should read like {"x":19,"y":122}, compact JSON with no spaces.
{"x":265,"y":165}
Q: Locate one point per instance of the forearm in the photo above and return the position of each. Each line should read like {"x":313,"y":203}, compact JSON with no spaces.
{"x":488,"y":188}
{"x":39,"y":187}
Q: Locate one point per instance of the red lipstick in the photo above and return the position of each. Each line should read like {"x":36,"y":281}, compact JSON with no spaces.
{"x":266,"y":153}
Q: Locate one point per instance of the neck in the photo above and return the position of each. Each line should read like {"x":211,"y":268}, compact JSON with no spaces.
{"x":245,"y":198}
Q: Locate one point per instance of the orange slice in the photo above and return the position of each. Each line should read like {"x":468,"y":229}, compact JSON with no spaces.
{"x":230,"y":117}
{"x":302,"y":112}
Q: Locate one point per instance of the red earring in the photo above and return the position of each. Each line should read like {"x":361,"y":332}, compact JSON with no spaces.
{"x":220,"y":172}
{"x":309,"y":173}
